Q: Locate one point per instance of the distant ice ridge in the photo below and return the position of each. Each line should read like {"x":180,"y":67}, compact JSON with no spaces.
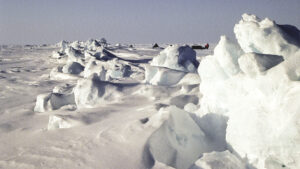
{"x":94,"y":68}
{"x":81,"y":58}
{"x":255,"y":83}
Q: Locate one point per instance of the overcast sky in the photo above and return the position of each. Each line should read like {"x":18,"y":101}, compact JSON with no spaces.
{"x":133,"y":21}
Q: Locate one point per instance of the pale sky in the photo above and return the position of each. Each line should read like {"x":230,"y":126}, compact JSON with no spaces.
{"x":133,"y":21}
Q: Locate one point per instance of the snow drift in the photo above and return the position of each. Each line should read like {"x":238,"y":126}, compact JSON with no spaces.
{"x":255,"y":83}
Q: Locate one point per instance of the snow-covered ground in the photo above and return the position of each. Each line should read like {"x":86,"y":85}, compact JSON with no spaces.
{"x":93,"y":105}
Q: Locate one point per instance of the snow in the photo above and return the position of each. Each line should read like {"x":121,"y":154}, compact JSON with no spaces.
{"x":95,"y":71}
{"x":162,"y":76}
{"x":73,"y":68}
{"x":182,"y":58}
{"x":219,"y":160}
{"x":60,"y":122}
{"x":179,"y":142}
{"x":90,"y":92}
{"x":89,"y":104}
{"x":42,"y":103}
{"x":171,"y":65}
{"x":266,"y":37}
{"x":254,"y":63}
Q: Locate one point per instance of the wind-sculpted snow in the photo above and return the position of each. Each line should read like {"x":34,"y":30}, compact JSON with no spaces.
{"x":257,"y":88}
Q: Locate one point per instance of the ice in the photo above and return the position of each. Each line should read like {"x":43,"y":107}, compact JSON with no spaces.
{"x":59,"y":97}
{"x":61,"y":122}
{"x":114,"y":103}
{"x":257,"y":89}
{"x":182,"y":58}
{"x":42,"y":103}
{"x":179,"y":142}
{"x":95,"y":70}
{"x":117,"y":70}
{"x":191,"y":107}
{"x":162,"y":76}
{"x":92,"y":44}
{"x":92,"y":92}
{"x":227,"y":54}
{"x":253,"y":63}
{"x":171,"y":66}
{"x":181,"y":100}
{"x":105,"y":70}
{"x":219,"y":160}
{"x":190,"y":79}
{"x":74,"y":55}
{"x":73,"y":68}
{"x":56,"y":55}
{"x":57,"y":74}
{"x":267,"y":37}
{"x":63,"y":46}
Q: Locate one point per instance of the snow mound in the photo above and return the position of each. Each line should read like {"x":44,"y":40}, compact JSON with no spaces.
{"x":258,"y":92}
{"x":94,"y":70}
{"x":92,"y":44}
{"x":61,"y":121}
{"x":63,"y":46}
{"x":56,"y":55}
{"x":73,"y":68}
{"x":106,"y":70}
{"x":57,"y":74}
{"x":117,"y":70}
{"x":253,"y":63}
{"x":91,"y":92}
{"x":219,"y":160}
{"x":267,"y":37}
{"x":89,"y":60}
{"x":42,"y":103}
{"x":162,"y":76}
{"x":179,"y":142}
{"x":74,"y":55}
{"x":190,"y":79}
{"x":191,"y":107}
{"x":87,"y":93}
{"x":182,"y":58}
{"x":60,"y":97}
